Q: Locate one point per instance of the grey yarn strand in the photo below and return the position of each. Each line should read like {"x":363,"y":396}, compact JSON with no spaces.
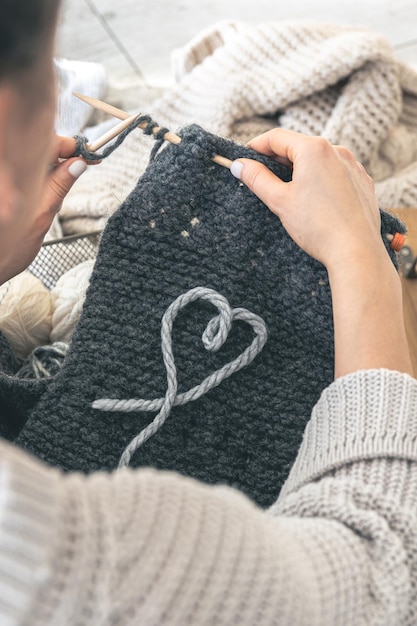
{"x":82,"y":142}
{"x":213,"y":338}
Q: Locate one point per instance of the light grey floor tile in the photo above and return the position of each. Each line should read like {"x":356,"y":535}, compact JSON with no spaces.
{"x":135,"y":37}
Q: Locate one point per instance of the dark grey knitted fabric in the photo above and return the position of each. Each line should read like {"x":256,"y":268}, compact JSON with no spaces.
{"x":189,"y":223}
{"x":17,"y":397}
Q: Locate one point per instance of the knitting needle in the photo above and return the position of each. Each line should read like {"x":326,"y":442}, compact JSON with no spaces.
{"x":122,"y":115}
{"x":396,"y":241}
{"x":102,"y":106}
{"x":111,"y":134}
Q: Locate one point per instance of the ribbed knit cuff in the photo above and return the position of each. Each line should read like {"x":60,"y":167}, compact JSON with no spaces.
{"x":27,"y":519}
{"x":366,"y":415}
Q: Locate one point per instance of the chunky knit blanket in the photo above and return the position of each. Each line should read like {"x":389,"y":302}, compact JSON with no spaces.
{"x":187,"y":224}
{"x":238,"y":80}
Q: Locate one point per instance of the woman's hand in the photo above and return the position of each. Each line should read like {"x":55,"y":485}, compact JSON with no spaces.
{"x":23,"y":228}
{"x":64,"y":172}
{"x":329,"y":208}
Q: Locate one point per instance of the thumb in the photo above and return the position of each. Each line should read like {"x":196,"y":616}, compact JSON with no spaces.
{"x":259,"y":179}
{"x":60,"y":181}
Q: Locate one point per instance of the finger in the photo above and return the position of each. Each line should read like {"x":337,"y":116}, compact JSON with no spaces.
{"x":64,"y":147}
{"x":259,"y":146}
{"x":278,"y":143}
{"x":259,"y":179}
{"x":60,"y":181}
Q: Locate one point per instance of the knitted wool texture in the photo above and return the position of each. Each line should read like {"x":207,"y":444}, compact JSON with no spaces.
{"x":189,"y":223}
{"x":240,"y":80}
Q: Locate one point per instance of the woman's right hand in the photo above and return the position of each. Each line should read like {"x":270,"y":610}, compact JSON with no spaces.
{"x":329,"y":208}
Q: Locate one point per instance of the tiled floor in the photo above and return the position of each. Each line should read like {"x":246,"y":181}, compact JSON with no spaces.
{"x":134,"y":38}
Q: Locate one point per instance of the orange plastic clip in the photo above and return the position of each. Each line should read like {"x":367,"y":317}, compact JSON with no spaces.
{"x":397,"y":242}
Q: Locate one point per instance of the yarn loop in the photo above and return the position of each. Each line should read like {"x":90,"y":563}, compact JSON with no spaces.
{"x":82,"y":142}
{"x":44,"y":362}
{"x":213,"y":338}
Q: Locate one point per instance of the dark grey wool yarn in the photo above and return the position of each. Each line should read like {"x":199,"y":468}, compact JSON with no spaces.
{"x":189,"y":223}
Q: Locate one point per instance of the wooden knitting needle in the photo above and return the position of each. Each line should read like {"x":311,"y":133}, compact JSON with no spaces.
{"x":396,"y":241}
{"x":122,"y":115}
{"x":111,"y":134}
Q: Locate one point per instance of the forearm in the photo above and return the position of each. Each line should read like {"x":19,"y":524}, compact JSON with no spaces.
{"x":145,"y":548}
{"x":368,"y":315}
{"x":140,"y":547}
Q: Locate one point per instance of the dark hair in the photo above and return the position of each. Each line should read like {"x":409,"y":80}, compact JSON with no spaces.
{"x":25,"y":28}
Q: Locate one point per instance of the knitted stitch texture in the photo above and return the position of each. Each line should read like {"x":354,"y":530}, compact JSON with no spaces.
{"x":189,"y":223}
{"x":16,"y":398}
{"x":239,"y":80}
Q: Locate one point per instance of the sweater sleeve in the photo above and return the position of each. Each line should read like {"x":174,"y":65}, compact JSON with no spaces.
{"x":146,"y":547}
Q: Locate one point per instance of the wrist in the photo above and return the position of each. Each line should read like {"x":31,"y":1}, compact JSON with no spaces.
{"x":365,"y":246}
{"x":364,"y":266}
{"x":368,"y":315}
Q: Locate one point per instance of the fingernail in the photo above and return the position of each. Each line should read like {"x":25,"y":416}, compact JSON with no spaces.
{"x":236,"y":169}
{"x":77,"y":168}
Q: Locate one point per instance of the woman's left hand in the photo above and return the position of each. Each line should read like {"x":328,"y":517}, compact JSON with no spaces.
{"x":22,"y":228}
{"x":65,"y":170}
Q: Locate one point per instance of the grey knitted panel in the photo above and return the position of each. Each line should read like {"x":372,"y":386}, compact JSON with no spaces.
{"x":189,"y":223}
{"x":17,"y":397}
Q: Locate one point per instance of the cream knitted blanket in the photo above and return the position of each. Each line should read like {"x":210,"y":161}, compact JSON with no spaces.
{"x":238,"y":80}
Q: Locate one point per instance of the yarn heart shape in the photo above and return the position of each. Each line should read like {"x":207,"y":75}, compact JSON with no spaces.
{"x":214,"y":336}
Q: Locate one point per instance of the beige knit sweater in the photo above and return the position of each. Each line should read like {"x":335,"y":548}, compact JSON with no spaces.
{"x":239,"y":80}
{"x":339,"y":547}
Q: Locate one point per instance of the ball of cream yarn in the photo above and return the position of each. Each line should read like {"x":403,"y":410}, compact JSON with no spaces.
{"x":25,"y":313}
{"x":68,"y":297}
